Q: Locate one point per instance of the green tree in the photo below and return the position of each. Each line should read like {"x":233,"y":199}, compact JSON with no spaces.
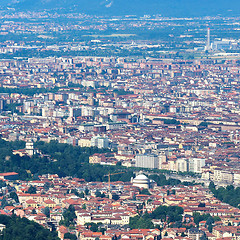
{"x":68,"y":216}
{"x":203,"y":217}
{"x":162,"y":181}
{"x":212,"y":186}
{"x":204,"y":124}
{"x":14,"y":196}
{"x":94,"y":227}
{"x":145,"y":191}
{"x":98,"y":193}
{"x":115,"y":197}
{"x":32,"y":190}
{"x":74,"y":191}
{"x":172,"y":213}
{"x":228,"y":195}
{"x":86,"y":191}
{"x":81,"y":194}
{"x":102,"y":230}
{"x":34,"y":211}
{"x":4,"y":202}
{"x":46,"y":186}
{"x":46,"y":211}
{"x":141,"y":222}
{"x":2,"y":184}
{"x":70,"y":236}
{"x":210,"y":227}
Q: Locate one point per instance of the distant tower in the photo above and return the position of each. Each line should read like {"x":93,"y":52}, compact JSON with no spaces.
{"x":208,"y":47}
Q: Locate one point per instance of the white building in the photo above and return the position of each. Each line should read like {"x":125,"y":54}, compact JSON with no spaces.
{"x":196,"y":164}
{"x":182,"y":165}
{"x":100,"y":142}
{"x":115,"y":125}
{"x":147,"y":161}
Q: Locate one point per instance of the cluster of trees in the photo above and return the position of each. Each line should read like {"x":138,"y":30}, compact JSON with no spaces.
{"x":32,"y":190}
{"x":76,"y":193}
{"x":99,"y":194}
{"x":141,"y":222}
{"x":95,"y":227}
{"x":27,"y":91}
{"x":70,"y":236}
{"x":161,"y":180}
{"x":2,"y":184}
{"x":22,"y":228}
{"x":170,"y":214}
{"x":4,"y":203}
{"x":46,"y":211}
{"x":73,"y":161}
{"x":68,"y":216}
{"x":14,"y":196}
{"x":144,"y":191}
{"x":205,"y":217}
{"x":171,"y":121}
{"x":204,"y":124}
{"x":8,"y":161}
{"x":228,"y":195}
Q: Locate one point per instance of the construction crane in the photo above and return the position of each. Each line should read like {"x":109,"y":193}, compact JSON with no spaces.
{"x":109,"y":179}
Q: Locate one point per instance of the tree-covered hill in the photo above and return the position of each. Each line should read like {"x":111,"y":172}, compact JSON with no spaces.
{"x":67,"y":160}
{"x":59,"y":158}
{"x":22,"y":229}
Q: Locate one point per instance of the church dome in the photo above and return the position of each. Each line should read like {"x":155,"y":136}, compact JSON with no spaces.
{"x":141,"y":181}
{"x":141,"y":177}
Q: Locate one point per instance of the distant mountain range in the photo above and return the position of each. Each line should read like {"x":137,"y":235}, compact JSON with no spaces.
{"x":178,"y":8}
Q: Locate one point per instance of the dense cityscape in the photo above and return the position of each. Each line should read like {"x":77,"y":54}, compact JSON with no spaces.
{"x":119,"y":127}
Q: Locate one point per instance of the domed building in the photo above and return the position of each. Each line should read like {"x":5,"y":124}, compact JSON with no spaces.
{"x":142,"y":181}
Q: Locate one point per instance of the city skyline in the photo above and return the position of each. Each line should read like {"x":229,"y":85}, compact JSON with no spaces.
{"x":119,"y":120}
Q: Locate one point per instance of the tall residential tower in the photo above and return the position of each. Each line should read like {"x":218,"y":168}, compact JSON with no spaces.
{"x":208,"y":45}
